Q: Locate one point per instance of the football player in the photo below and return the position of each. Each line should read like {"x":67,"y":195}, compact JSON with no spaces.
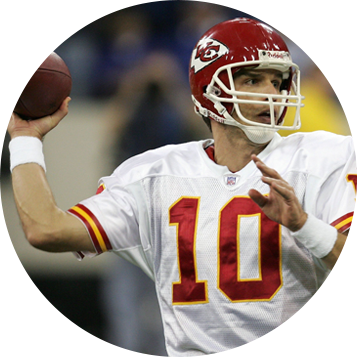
{"x":237,"y":232}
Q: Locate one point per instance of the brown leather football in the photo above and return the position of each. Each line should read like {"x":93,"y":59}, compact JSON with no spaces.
{"x":46,"y":90}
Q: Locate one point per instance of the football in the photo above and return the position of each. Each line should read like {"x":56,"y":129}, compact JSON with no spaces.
{"x":46,"y":90}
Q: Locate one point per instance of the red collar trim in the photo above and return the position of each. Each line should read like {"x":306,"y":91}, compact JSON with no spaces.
{"x":210,"y":152}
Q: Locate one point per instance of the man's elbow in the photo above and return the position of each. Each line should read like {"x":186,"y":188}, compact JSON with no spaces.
{"x":43,"y":239}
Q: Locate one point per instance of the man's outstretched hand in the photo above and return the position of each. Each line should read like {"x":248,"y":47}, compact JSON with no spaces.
{"x":281,"y":205}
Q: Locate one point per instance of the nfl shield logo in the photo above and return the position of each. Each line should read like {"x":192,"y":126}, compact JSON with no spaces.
{"x":231,"y":180}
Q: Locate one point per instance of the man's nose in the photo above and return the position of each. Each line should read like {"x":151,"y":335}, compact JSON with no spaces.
{"x":270,"y":88}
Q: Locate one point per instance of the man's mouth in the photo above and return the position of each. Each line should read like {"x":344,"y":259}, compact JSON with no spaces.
{"x":265,"y":118}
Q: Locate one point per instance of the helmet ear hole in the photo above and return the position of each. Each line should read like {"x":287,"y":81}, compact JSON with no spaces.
{"x":210,"y":89}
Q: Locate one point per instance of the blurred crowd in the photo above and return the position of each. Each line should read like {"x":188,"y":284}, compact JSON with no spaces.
{"x":101,"y":53}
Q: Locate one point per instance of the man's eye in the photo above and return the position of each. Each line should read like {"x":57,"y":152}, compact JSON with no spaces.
{"x":251,"y":81}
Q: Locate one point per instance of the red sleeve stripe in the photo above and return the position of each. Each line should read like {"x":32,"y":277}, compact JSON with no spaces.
{"x":344,"y":228}
{"x":343,"y":223}
{"x":100,"y":189}
{"x":74,"y":210}
{"x":95,"y":229}
{"x":103,"y":235}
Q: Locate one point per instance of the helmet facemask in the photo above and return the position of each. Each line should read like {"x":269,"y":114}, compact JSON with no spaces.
{"x":221,"y":91}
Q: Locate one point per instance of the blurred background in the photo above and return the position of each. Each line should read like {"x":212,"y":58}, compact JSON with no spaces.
{"x":130,"y":93}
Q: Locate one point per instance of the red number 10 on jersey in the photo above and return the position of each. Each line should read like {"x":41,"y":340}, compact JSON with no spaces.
{"x":184,"y":214}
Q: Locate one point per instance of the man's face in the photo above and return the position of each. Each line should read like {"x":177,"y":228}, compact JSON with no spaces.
{"x":257,"y":81}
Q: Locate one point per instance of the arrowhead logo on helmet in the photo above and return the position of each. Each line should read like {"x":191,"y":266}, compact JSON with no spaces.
{"x":206,"y":52}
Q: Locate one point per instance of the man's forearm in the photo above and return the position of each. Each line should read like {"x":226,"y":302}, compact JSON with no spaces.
{"x":35,"y":202}
{"x":46,"y":226}
{"x":340,"y":257}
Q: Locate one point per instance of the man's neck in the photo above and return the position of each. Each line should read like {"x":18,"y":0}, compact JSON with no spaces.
{"x":232,"y":147}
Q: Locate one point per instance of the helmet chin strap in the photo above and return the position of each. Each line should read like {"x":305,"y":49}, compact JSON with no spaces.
{"x":256,"y":134}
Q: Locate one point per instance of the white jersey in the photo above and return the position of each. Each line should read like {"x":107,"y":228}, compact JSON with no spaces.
{"x":225,"y":274}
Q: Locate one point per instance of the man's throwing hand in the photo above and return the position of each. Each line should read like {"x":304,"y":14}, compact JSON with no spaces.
{"x":37,"y":128}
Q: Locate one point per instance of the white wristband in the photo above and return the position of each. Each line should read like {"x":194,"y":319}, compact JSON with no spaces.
{"x":317,"y":236}
{"x":25,"y":150}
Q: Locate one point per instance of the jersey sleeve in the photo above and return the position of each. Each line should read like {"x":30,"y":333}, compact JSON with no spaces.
{"x":337,"y":196}
{"x":110,"y":217}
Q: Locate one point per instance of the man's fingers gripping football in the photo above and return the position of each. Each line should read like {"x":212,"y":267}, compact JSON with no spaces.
{"x":62,"y":111}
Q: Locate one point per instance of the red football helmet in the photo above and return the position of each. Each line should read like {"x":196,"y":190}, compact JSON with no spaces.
{"x":225,"y":49}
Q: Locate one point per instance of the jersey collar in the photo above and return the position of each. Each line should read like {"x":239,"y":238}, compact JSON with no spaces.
{"x":207,"y":151}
